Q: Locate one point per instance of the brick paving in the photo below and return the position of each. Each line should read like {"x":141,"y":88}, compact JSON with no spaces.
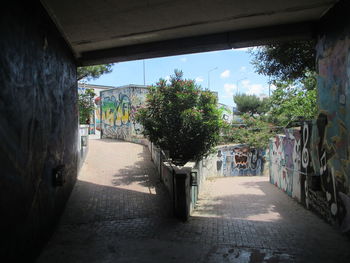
{"x":120,"y":212}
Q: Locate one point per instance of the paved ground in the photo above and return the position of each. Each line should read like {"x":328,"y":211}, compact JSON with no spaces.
{"x":120,"y":212}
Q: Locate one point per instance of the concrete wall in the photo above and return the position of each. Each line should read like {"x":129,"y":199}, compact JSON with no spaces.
{"x":312,"y":164}
{"x":38,"y":128}
{"x":118,"y":107}
{"x":164,"y":169}
{"x":83,"y":144}
{"x":299,"y":165}
{"x":236,"y":160}
{"x":285,"y":162}
{"x":331,"y":160}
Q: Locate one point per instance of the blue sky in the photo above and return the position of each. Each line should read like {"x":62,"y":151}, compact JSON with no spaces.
{"x":233,"y":68}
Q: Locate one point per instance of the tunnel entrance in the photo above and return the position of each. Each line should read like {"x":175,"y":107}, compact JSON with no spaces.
{"x":119,"y":210}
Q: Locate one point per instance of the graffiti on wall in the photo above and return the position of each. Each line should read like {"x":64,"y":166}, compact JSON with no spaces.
{"x":226,"y":112}
{"x":118,"y":109}
{"x":239,"y":160}
{"x":330,"y":144}
{"x":285,"y":162}
{"x":324,"y":145}
{"x":300,"y":165}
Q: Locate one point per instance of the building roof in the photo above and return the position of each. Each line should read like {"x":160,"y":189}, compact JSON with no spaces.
{"x":94,"y":86}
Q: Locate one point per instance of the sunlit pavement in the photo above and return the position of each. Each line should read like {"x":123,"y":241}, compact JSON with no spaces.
{"x":120,"y":212}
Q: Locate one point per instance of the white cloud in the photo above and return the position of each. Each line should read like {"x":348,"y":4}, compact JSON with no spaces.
{"x":167,"y":78}
{"x":243,"y":69}
{"x":199,"y":79}
{"x":184,"y":59}
{"x":245,"y":82}
{"x":229,"y":89}
{"x":252,"y":89}
{"x":225,"y":74}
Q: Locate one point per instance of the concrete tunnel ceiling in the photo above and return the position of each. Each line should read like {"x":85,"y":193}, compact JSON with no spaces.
{"x":101,"y":31}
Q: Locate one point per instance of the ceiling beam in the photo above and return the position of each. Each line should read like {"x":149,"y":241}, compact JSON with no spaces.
{"x":195,"y":44}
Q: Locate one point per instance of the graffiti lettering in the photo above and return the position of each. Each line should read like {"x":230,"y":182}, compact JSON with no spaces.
{"x":118,"y":111}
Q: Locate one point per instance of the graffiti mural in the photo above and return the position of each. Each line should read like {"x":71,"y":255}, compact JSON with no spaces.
{"x":118,"y":108}
{"x":98,"y":113}
{"x":300,"y":165}
{"x":330,"y":194}
{"x":285,"y":162}
{"x":226,"y":112}
{"x":239,"y":160}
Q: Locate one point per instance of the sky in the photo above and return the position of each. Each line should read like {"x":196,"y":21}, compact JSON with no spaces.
{"x":230,"y":71}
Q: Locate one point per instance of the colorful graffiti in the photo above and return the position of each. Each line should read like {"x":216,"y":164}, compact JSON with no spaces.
{"x":324,"y":145}
{"x":226,"y":112}
{"x":239,"y":160}
{"x":330,"y":144}
{"x":285,"y":162}
{"x":98,"y":113}
{"x":118,"y":109}
{"x":300,"y":166}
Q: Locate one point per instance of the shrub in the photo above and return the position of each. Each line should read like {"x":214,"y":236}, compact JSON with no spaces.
{"x":86,"y":106}
{"x":182,"y":118}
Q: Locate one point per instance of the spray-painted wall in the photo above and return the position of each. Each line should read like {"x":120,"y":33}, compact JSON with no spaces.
{"x":331,"y":144}
{"x":95,"y":122}
{"x":320,"y":149}
{"x":118,"y":108}
{"x":226,"y":112}
{"x":238,"y":160}
{"x":284,"y":157}
{"x":233,"y":160}
{"x":307,"y":167}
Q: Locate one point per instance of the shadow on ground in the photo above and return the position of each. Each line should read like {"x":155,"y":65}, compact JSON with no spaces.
{"x":92,"y":202}
{"x":269,"y":219}
{"x":140,"y":172}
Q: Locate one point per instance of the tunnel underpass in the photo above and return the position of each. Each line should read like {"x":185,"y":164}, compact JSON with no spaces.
{"x":119,"y":211}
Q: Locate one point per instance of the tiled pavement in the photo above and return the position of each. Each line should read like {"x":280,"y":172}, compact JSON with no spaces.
{"x":120,"y":212}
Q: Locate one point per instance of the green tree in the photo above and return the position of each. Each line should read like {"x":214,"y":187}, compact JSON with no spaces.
{"x":93,"y":72}
{"x":291,"y":66}
{"x":293,"y":101}
{"x":288,"y":61}
{"x":182,"y":118}
{"x":253,"y":132}
{"x":250,"y":104}
{"x":86,"y":106}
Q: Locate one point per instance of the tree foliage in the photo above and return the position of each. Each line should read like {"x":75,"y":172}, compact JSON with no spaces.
{"x":292,"y":102}
{"x":254,"y":132}
{"x":288,"y":61}
{"x":182,"y":118}
{"x":250,"y":104}
{"x":291,"y":66}
{"x":86,"y":105}
{"x":93,"y":72}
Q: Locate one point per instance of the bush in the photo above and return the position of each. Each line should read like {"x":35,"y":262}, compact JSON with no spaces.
{"x":253,"y":132}
{"x":86,"y":106}
{"x":182,"y":118}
